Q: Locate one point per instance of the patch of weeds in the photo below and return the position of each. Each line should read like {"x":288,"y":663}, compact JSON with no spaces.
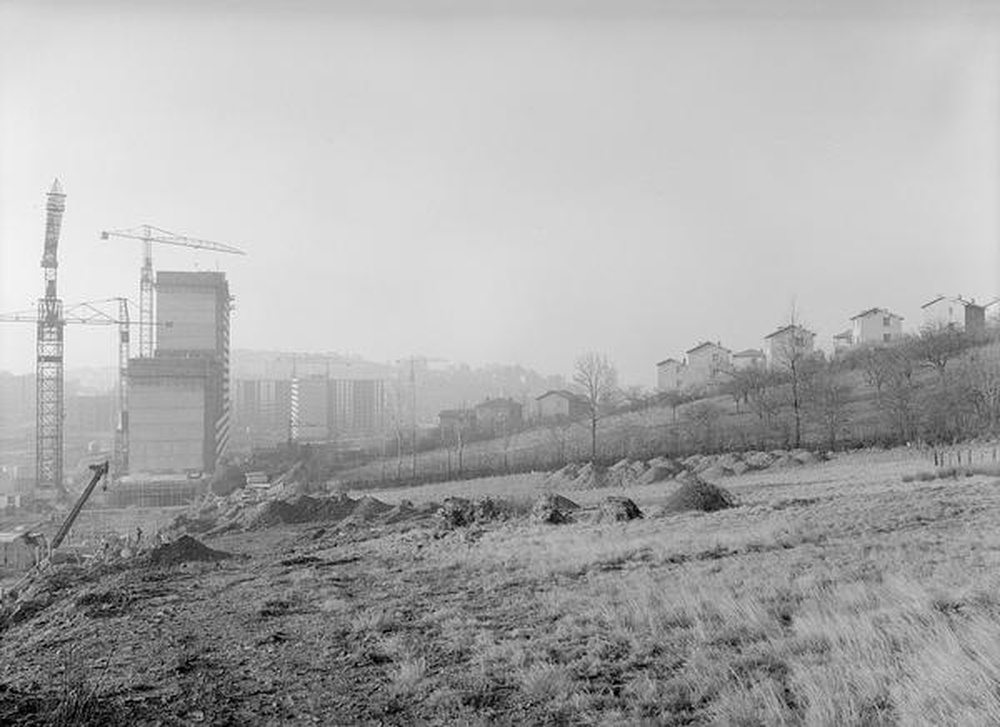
{"x":373,"y":620}
{"x":104,"y":604}
{"x":737,"y":636}
{"x":409,"y":676}
{"x":276,"y":607}
{"x":545,"y":682}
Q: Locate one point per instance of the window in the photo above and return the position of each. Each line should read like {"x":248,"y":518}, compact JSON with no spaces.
{"x":886,"y":322}
{"x":886,"y":337}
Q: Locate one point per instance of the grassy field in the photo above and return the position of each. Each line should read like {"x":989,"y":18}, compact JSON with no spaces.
{"x":834,"y":594}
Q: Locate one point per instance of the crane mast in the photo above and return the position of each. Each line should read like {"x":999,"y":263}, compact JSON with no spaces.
{"x":147,"y":235}
{"x":49,"y":358}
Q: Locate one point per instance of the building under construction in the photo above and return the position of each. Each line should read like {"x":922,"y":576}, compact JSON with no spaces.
{"x":279,"y":397}
{"x":179,"y":398}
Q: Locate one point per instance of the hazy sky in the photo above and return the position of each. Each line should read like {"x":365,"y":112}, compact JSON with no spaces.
{"x":506,"y":182}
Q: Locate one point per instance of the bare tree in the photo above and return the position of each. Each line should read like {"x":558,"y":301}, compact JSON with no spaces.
{"x":981,"y":374}
{"x":558,"y":432}
{"x":937,"y":345}
{"x":674,"y":399}
{"x":597,"y":380}
{"x":793,"y":355}
{"x":826,"y":399}
{"x":900,"y":396}
{"x":704,"y":416}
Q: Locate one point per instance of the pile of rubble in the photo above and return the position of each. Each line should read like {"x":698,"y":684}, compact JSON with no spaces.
{"x":629,"y":472}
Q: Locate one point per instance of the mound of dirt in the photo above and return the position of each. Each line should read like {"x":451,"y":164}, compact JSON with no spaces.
{"x":656,"y":473}
{"x":696,"y":494}
{"x":401,"y":513}
{"x":590,"y":477}
{"x":553,"y":509}
{"x":302,"y":509}
{"x":625,"y":473}
{"x":616,"y":508}
{"x":367,"y":509}
{"x":565,"y":475}
{"x":758,"y":460}
{"x":185,"y":550}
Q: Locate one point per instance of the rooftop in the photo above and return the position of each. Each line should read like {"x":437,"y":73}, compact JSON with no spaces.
{"x":705,"y":344}
{"x":789,"y":328}
{"x":876,"y":311}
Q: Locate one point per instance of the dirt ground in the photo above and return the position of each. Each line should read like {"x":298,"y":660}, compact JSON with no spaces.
{"x":832,"y":594}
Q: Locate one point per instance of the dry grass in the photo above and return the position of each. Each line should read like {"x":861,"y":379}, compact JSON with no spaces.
{"x":835,"y":594}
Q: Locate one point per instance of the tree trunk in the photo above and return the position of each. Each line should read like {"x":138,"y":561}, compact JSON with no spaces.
{"x":593,"y":438}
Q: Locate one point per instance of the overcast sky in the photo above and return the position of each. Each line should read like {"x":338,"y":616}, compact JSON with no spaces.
{"x":494,"y":182}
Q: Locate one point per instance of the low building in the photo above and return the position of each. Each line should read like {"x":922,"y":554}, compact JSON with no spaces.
{"x":954,"y":312}
{"x":787,"y":343}
{"x":669,"y":375}
{"x":498,"y":416}
{"x":20,"y":550}
{"x":992,"y":310}
{"x":750,"y":358}
{"x":706,"y":363}
{"x":561,"y":405}
{"x":453,"y":421}
{"x":875,"y":326}
{"x":843,"y":341}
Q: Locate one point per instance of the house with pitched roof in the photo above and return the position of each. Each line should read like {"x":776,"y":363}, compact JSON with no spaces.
{"x":669,"y":375}
{"x":561,"y":405}
{"x":748,"y":358}
{"x":787,"y":342}
{"x":706,"y":364}
{"x":954,"y":312}
{"x":876,"y":325}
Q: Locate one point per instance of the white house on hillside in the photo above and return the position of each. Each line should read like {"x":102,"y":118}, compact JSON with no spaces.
{"x":993,"y":312}
{"x":954,"y":312}
{"x":787,"y":341}
{"x":705,"y":364}
{"x":749,"y":358}
{"x":876,"y":325}
{"x":669,"y":375}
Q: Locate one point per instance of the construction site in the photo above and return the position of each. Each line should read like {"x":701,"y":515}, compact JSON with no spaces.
{"x":182,"y":405}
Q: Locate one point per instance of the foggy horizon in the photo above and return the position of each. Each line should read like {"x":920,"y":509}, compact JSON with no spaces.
{"x":505,"y":185}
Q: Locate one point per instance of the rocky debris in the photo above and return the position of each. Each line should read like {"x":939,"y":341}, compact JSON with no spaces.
{"x":185,"y":550}
{"x":553,"y":509}
{"x":697,"y":494}
{"x":616,"y":508}
{"x":758,"y":460}
{"x":457,"y":512}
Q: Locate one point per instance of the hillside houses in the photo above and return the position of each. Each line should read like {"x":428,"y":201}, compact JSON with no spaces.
{"x":498,"y":416}
{"x":874,"y":326}
{"x":705,"y":365}
{"x":786,"y":343}
{"x":710,"y":363}
{"x":954,"y":312}
{"x":561,"y":405}
{"x":749,"y":358}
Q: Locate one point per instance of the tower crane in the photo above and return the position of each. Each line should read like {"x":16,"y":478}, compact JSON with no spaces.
{"x":49,"y":431}
{"x":147,"y":235}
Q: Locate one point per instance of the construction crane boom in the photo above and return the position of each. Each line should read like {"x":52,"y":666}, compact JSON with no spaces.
{"x":89,"y":313}
{"x":148,"y":234}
